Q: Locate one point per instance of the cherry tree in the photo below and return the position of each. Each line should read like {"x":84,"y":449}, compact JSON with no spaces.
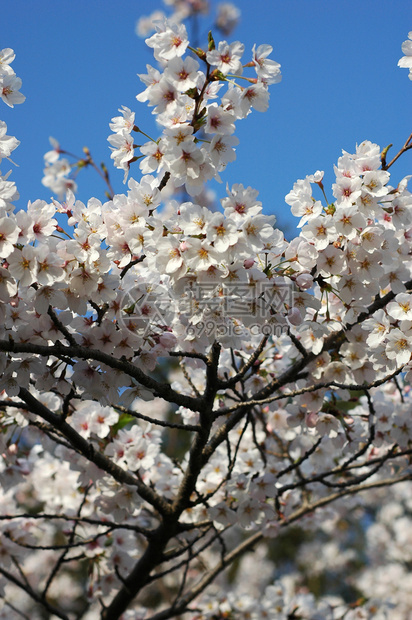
{"x":181,"y":384}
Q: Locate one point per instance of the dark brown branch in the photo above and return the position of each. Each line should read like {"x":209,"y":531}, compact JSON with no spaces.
{"x":332,"y":341}
{"x":406,"y":147}
{"x":16,"y":611}
{"x":132,"y":263}
{"x":203,"y":499}
{"x":176,"y":553}
{"x":189,"y":380}
{"x":103,"y":522}
{"x":140,"y":575}
{"x":196,"y":356}
{"x":248,"y":544}
{"x":100,"y":311}
{"x":62,"y":559}
{"x":187,"y":549}
{"x":58,"y":547}
{"x":311,"y":388}
{"x":299,"y":461}
{"x":88,"y":450}
{"x":184,"y":427}
{"x":60,"y":351}
{"x":36,"y":597}
{"x":297,"y":344}
{"x":340,"y":470}
{"x":69,"y":337}
{"x":164,"y":181}
{"x":245,"y":368}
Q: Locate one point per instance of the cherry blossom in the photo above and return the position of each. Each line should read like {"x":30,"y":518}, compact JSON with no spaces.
{"x":181,"y":383}
{"x":7,"y":143}
{"x":406,"y":60}
{"x":227,"y":57}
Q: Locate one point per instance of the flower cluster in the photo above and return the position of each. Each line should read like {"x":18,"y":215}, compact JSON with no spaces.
{"x":58,"y":172}
{"x":10,"y":84}
{"x":180,"y":384}
{"x":9,"y":92}
{"x":227,"y":15}
{"x":184,"y":99}
{"x":406,"y":61}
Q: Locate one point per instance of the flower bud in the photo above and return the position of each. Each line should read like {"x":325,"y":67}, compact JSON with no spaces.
{"x":294,"y":316}
{"x":311,"y":418}
{"x":167,"y":340}
{"x":304,"y":281}
{"x":13,"y":448}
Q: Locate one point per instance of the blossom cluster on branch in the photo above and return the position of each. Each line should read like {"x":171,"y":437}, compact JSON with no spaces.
{"x":180,"y":384}
{"x":226,"y":19}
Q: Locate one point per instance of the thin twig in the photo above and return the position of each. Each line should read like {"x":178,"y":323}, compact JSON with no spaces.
{"x":184,"y":427}
{"x":406,"y":147}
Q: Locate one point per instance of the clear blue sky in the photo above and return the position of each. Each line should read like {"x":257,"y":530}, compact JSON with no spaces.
{"x":78,"y":60}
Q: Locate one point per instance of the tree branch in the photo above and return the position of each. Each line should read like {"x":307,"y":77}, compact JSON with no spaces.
{"x":88,"y":450}
{"x":36,"y":597}
{"x":60,"y":351}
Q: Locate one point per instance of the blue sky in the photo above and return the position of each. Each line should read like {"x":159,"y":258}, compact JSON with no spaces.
{"x":341,"y":85}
